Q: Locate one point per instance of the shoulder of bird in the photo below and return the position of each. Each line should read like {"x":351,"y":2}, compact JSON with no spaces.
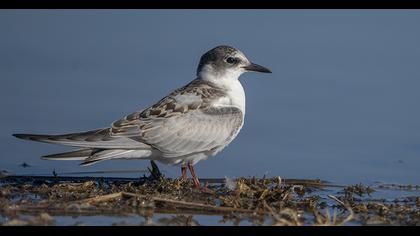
{"x":197,"y":95}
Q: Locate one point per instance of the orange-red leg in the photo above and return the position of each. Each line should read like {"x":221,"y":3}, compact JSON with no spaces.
{"x":183,"y":172}
{"x":194,"y":176}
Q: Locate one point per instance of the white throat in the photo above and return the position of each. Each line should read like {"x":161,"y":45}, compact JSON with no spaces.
{"x":229,"y":81}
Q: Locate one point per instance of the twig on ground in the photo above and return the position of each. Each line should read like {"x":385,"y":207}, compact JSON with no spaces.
{"x":192,"y":205}
{"x":283,"y":221}
{"x":102,"y":198}
{"x":346,"y":206}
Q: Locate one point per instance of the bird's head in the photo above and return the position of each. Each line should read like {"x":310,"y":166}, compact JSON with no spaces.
{"x":226,"y":62}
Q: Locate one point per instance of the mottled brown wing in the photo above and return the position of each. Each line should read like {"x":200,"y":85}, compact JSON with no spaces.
{"x":183,"y":122}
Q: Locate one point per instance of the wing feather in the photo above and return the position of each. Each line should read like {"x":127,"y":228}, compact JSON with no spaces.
{"x":184,"y":122}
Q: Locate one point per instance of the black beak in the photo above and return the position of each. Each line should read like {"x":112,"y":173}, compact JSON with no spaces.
{"x":257,"y":68}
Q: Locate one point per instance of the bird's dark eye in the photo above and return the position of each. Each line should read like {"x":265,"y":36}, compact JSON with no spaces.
{"x":231,"y":60}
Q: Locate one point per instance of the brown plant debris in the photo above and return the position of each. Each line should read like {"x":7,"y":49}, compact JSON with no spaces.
{"x":26,"y":200}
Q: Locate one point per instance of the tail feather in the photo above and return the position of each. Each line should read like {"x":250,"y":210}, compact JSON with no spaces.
{"x":96,"y":145}
{"x":99,"y":138}
{"x":91,"y":156}
{"x":106,"y":155}
{"x":80,"y":154}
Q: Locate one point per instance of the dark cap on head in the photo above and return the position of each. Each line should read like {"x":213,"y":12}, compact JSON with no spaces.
{"x":225,"y":57}
{"x":211,"y":56}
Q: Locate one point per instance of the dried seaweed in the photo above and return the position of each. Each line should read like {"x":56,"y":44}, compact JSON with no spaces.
{"x":28,"y":200}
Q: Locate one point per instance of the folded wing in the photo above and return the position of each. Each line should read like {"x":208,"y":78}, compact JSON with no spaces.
{"x":184,"y":122}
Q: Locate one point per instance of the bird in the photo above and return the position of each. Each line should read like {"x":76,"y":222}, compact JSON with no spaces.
{"x":188,"y":125}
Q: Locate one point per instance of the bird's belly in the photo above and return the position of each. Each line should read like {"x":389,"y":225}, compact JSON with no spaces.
{"x":198,"y":155}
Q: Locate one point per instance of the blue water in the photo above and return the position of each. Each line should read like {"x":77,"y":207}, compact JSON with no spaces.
{"x":342,"y":103}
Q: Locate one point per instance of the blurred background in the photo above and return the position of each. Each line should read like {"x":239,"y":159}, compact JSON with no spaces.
{"x":342,"y":103}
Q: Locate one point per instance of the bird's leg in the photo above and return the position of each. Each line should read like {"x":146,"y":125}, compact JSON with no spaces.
{"x":204,"y":189}
{"x":194,"y":176}
{"x":183,"y":172}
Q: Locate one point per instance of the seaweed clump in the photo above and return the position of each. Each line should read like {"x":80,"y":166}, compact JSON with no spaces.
{"x":26,"y":200}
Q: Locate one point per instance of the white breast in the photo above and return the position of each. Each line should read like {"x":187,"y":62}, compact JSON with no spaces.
{"x":235,"y":94}
{"x":229,"y":81}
